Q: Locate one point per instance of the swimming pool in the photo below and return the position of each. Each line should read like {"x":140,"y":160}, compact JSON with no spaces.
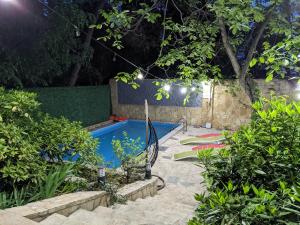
{"x":134,"y":128}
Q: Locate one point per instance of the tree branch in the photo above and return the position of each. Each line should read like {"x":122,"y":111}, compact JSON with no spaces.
{"x":229,"y":50}
{"x":260,"y":30}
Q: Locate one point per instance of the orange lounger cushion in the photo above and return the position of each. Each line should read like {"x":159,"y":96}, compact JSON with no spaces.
{"x":208,"y":146}
{"x":121,"y":118}
{"x":209,"y":135}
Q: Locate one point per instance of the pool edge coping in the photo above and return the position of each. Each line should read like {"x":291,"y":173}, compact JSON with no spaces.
{"x":170,"y":134}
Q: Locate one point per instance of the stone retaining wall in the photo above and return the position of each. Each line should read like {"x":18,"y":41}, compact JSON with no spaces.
{"x":227,"y":109}
{"x":68,"y":203}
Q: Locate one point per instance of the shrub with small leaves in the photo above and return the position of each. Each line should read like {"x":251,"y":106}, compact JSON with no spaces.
{"x":255,"y":180}
{"x":30,"y":138}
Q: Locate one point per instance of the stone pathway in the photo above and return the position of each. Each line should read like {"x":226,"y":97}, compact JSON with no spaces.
{"x":174,"y":205}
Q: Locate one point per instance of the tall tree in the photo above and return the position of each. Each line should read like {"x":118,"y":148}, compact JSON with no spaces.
{"x":86,"y":53}
{"x":44,"y":45}
{"x":200,"y":37}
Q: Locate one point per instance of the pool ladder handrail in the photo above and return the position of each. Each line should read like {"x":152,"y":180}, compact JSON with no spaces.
{"x":152,"y":143}
{"x":183,"y":121}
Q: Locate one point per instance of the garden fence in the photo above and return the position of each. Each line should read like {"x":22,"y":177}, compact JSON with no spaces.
{"x":90,"y":105}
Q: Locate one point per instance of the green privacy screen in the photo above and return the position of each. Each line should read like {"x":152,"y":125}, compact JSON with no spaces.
{"x":90,"y":105}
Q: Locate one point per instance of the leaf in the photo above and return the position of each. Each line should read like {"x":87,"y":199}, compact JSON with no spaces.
{"x":253,"y":62}
{"x":271,"y":59}
{"x":261,"y":59}
{"x":260,"y":172}
{"x":269,"y":77}
{"x":159,"y":96}
{"x":274,"y":129}
{"x":124,"y":79}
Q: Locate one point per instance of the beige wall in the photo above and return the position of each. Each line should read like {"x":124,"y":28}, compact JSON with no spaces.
{"x":225,"y":110}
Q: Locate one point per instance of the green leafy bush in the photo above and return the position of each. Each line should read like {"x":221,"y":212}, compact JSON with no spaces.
{"x":127,"y":151}
{"x":28,"y":137}
{"x":59,"y":137}
{"x":19,"y":158}
{"x":256,"y":180}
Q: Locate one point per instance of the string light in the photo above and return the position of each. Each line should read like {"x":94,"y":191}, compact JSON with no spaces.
{"x":167,"y":87}
{"x":77,"y":33}
{"x":183,"y":90}
{"x":140,"y":76}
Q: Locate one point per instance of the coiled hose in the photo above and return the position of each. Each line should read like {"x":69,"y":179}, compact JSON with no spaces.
{"x":160,"y":187}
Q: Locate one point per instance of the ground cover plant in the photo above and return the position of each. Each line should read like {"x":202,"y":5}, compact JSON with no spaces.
{"x":33,"y":147}
{"x":257,"y":179}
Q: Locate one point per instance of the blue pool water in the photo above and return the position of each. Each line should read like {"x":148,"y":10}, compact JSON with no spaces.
{"x":134,"y":128}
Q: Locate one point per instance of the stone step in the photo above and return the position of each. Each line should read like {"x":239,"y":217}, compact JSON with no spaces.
{"x":103,"y":211}
{"x":54,"y":219}
{"x":186,"y":202}
{"x":151,"y":216}
{"x":89,"y":218}
{"x":73,"y":222}
{"x":154,"y":209}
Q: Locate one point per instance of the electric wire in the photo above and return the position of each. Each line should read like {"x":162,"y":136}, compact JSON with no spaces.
{"x":146,"y":72}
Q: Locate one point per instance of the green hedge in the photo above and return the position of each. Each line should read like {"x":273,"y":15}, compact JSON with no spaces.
{"x":90,"y":105}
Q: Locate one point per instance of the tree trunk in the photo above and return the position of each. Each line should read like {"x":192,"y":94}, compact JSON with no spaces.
{"x":86,"y":45}
{"x":229,"y":49}
{"x":241,"y":71}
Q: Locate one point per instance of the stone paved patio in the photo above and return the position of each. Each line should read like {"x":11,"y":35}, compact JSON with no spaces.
{"x":180,"y":175}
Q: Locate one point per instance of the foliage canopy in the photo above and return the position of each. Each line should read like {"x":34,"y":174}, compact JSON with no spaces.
{"x":199,"y":39}
{"x":256,"y":180}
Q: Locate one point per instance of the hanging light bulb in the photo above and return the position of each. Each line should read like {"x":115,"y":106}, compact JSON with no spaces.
{"x":140,"y":76}
{"x":167,"y":87}
{"x":193,"y":89}
{"x":77,"y":31}
{"x":183,"y":90}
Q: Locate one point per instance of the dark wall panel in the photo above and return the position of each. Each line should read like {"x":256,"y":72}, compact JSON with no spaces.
{"x":90,"y":105}
{"x":147,"y":90}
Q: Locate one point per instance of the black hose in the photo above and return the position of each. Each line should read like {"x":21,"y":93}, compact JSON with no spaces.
{"x":160,"y":187}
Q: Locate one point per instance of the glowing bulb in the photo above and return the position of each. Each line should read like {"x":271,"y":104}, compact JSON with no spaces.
{"x":193,"y":89}
{"x":167,"y":87}
{"x":140,"y":76}
{"x":183,"y":90}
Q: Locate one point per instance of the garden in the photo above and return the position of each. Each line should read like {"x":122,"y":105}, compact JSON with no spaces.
{"x":77,"y":78}
{"x":44,"y":156}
